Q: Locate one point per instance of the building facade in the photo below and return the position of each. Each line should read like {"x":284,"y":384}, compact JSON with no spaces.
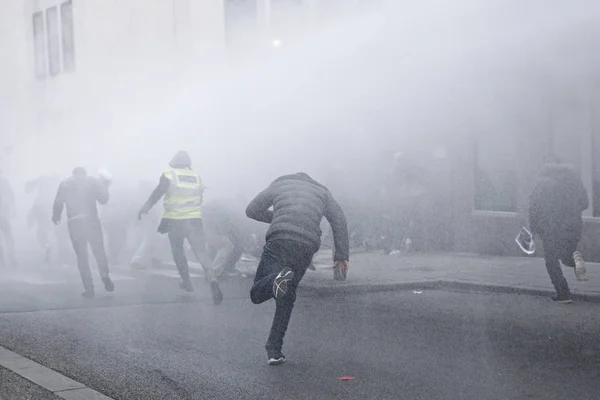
{"x":81,"y":70}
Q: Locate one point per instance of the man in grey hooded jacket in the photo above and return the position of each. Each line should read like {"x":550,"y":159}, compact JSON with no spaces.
{"x":298,"y":205}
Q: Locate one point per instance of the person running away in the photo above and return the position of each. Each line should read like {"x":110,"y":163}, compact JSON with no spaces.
{"x":182,"y":190}
{"x":81,"y":194}
{"x":555,"y":209}
{"x":298,"y":203}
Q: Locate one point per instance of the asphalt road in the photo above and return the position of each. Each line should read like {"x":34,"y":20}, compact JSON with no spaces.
{"x":433,"y":345}
{"x":15,"y":387}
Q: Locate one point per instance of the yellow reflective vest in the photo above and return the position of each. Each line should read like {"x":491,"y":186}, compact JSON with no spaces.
{"x":183,"y":200}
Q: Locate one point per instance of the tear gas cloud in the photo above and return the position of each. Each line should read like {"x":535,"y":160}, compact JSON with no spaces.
{"x":397,"y":75}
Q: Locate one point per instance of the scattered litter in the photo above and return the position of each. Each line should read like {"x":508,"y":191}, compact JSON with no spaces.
{"x":345,"y":378}
{"x":417,"y":291}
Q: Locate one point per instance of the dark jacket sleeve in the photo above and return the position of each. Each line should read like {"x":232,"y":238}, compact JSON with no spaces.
{"x":535,"y":209}
{"x":583,"y":201}
{"x":59,"y":203}
{"x":157,"y":194}
{"x":259,"y":208}
{"x":335,"y":215}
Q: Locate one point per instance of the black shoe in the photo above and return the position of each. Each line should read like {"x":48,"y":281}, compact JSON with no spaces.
{"x":280,"y":286}
{"x":217,"y":295}
{"x":562,"y":299}
{"x":88,"y":294}
{"x":275,"y":358}
{"x":108,"y":284}
{"x":186,"y":284}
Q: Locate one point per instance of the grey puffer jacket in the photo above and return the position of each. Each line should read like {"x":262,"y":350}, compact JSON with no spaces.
{"x":299,"y":204}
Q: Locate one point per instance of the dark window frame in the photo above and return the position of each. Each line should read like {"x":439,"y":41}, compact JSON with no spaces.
{"x":67,"y":36}
{"x":53,"y":41}
{"x":39,"y":44}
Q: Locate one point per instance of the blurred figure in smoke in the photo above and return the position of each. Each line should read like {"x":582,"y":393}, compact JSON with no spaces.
{"x":294,"y":236}
{"x":405,"y":201}
{"x":225,"y":219}
{"x":8,"y":211}
{"x":149,"y":241}
{"x":555,"y":209}
{"x":39,"y":215}
{"x":81,"y":194}
{"x":183,"y":191}
{"x":117,"y":219}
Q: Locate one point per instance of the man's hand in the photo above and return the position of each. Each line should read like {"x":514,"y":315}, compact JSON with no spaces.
{"x":56,"y":220}
{"x":340,"y":270}
{"x":141,"y":213}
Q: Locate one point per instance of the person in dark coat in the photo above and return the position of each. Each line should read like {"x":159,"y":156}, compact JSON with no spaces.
{"x":81,"y":194}
{"x":555,"y":209}
{"x":298,"y":203}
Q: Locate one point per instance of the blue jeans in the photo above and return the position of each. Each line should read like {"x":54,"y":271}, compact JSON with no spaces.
{"x":277,"y":255}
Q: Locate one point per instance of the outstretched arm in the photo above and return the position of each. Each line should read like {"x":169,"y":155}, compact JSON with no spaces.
{"x":157,"y":194}
{"x":259,"y":207}
{"x":335,"y":215}
{"x":59,"y":203}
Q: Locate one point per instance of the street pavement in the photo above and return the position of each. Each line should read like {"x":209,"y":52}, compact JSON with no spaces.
{"x":373,"y":271}
{"x":397,"y":345}
{"x":408,"y":339}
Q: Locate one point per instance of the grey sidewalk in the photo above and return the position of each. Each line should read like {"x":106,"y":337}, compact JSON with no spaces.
{"x":373,"y":271}
{"x":377,"y":272}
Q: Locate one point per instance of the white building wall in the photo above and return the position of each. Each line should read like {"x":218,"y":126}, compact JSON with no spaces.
{"x":129,"y":55}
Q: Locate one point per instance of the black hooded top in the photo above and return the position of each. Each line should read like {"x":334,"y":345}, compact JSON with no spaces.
{"x":557,"y":202}
{"x":299,"y":204}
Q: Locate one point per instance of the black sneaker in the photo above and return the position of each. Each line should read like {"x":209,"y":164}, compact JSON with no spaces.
{"x":217,"y":295}
{"x":564,"y":299}
{"x":108,"y":284}
{"x":88,"y":294}
{"x":280,"y":286}
{"x":275,"y":358}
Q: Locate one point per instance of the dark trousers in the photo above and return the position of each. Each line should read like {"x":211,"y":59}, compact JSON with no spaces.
{"x":278,"y":254}
{"x":555,"y":251}
{"x":84,"y":231}
{"x":193,"y":231}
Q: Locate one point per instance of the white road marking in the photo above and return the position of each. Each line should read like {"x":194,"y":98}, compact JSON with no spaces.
{"x":62,"y":386}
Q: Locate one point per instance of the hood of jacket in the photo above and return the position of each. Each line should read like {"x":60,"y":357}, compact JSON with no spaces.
{"x":559,"y":171}
{"x":181,"y":160}
{"x":300,"y":176}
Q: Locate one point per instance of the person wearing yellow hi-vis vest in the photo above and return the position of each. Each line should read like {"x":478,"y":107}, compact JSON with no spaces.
{"x":181,"y":190}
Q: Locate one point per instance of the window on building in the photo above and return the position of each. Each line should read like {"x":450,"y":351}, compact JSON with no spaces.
{"x":39,"y":43}
{"x":495,"y":172}
{"x":68,"y":39}
{"x":53,"y":36}
{"x":241,"y":17}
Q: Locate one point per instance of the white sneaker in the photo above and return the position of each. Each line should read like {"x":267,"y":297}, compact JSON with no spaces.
{"x":280,"y":286}
{"x":579,"y":266}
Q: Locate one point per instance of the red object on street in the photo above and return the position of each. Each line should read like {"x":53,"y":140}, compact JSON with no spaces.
{"x":346,"y":378}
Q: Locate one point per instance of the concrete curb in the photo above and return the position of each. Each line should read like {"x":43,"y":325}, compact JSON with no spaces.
{"x":330,"y":290}
{"x":47,"y":378}
{"x":353,"y":288}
